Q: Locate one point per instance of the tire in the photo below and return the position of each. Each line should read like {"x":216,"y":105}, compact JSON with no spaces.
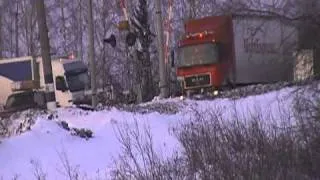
{"x":231,"y":80}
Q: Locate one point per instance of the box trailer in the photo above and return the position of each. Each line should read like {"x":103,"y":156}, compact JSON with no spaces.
{"x":236,"y":50}
{"x":14,"y":70}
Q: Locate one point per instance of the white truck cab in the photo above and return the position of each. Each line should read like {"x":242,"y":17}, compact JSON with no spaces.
{"x":22,"y":74}
{"x":71,"y":81}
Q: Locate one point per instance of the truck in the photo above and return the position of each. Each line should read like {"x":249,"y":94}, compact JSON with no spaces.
{"x":224,"y":51}
{"x":23,"y":86}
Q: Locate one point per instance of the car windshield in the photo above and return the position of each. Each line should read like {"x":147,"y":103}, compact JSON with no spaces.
{"x":199,"y":54}
{"x":77,"y":81}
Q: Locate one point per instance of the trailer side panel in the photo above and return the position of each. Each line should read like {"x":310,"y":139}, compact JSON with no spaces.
{"x":263,"y":49}
{"x":17,"y":71}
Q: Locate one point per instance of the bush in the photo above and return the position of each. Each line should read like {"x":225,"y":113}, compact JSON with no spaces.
{"x":139,"y":158}
{"x":18,"y":122}
{"x":217,"y":148}
{"x":80,"y":132}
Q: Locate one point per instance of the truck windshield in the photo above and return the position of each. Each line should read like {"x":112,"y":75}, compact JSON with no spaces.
{"x":199,"y":54}
{"x":77,"y":81}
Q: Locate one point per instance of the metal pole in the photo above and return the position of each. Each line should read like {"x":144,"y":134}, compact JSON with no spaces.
{"x":45,"y":53}
{"x":162,"y":66}
{"x":91,"y":56}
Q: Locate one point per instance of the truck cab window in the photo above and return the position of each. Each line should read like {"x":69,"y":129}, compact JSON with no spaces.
{"x":221,"y":51}
{"x":60,"y":83}
{"x":200,"y":54}
{"x":77,"y":81}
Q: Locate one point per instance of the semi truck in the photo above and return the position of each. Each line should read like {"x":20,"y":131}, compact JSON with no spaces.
{"x":22,"y":82}
{"x":231,"y":50}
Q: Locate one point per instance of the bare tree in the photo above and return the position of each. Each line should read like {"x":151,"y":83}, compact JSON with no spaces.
{"x":30,"y":30}
{"x":16,"y":28}
{"x":80,"y":30}
{"x":141,"y":26}
{"x":63,"y":19}
{"x":1,"y":46}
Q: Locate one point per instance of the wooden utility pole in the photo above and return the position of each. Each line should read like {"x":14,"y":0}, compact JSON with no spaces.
{"x":45,"y":53}
{"x":162,"y":66}
{"x":91,"y":56}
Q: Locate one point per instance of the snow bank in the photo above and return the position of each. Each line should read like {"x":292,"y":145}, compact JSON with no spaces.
{"x":52,"y":146}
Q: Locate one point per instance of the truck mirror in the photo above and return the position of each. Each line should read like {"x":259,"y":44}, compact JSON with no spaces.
{"x":61,"y":84}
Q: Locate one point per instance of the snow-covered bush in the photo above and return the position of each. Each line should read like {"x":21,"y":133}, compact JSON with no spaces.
{"x":80,"y":132}
{"x":162,"y":108}
{"x":140,"y":160}
{"x":217,"y":148}
{"x":18,"y":122}
{"x":258,"y":89}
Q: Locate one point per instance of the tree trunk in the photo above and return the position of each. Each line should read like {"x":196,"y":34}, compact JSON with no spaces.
{"x":80,"y":33}
{"x":32,"y":26}
{"x":27,"y":24}
{"x":45,"y":53}
{"x":17,"y":29}
{"x":147,"y":84}
{"x":91,"y":55}
{"x":30,"y":29}
{"x":1,"y":44}
{"x":192,"y":9}
{"x":12,"y":34}
{"x":64,"y":35}
{"x":104,"y":55}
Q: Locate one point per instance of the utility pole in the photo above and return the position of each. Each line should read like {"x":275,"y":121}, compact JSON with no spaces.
{"x":91,"y":56}
{"x":162,"y":66}
{"x":45,"y":53}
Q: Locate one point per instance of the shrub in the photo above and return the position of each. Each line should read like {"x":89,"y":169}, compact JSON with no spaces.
{"x":139,"y":158}
{"x":218,"y":148}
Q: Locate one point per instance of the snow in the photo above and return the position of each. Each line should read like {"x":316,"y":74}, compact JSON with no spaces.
{"x":50,"y":145}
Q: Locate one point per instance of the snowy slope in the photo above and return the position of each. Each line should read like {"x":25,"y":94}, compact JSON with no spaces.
{"x":49,"y":145}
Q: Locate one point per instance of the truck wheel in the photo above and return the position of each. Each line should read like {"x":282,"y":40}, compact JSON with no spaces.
{"x":230,"y":84}
{"x":231,"y":81}
{"x":188,"y":93}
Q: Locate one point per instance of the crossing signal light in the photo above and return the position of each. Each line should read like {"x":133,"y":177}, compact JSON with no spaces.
{"x":131,"y":39}
{"x":123,"y":25}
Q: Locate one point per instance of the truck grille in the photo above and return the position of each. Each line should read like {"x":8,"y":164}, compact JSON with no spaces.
{"x":197,"y":81}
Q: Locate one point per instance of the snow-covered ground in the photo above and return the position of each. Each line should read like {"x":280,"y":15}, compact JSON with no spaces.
{"x":49,"y":146}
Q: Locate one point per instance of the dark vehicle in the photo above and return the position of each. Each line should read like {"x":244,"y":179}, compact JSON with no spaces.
{"x":22,"y":101}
